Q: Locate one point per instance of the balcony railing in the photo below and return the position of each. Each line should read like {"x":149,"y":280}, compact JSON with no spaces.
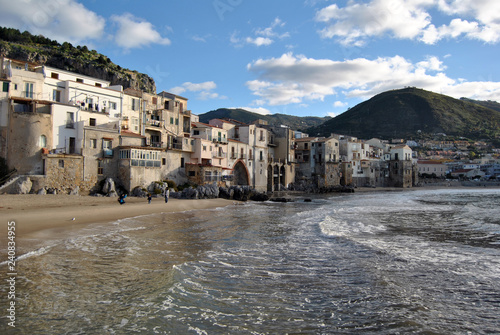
{"x":153,"y":123}
{"x":216,"y":154}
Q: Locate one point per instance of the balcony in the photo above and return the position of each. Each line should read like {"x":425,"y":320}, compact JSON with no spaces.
{"x":155,"y":144}
{"x":175,"y":146}
{"x":216,"y":154}
{"x":107,"y":153}
{"x":155,"y":124}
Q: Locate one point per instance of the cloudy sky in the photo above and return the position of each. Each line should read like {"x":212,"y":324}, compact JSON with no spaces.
{"x":303,"y":57}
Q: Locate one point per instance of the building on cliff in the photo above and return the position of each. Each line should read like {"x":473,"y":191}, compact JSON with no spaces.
{"x":66,"y":130}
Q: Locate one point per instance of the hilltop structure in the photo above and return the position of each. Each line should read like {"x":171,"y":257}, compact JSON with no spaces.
{"x":65,"y":130}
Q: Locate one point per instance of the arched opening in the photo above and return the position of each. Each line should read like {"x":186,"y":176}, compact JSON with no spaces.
{"x":283,"y":175}
{"x":276,"y":177}
{"x":240,"y":174}
{"x":270,"y":178}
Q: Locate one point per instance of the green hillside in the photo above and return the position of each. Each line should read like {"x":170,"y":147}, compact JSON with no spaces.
{"x":489,"y":104}
{"x":41,"y":50}
{"x":294,"y":122}
{"x":411,"y":113}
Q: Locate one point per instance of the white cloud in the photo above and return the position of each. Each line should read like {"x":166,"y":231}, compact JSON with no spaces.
{"x":259,"y":41}
{"x":294,"y":79}
{"x":62,"y":20}
{"x":204,"y":90}
{"x":263,"y":36}
{"x":340,"y":104}
{"x":410,"y":19}
{"x":135,"y":33}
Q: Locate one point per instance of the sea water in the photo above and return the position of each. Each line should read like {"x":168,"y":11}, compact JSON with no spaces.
{"x":408,"y":262}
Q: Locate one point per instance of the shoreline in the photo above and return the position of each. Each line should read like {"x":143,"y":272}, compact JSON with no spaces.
{"x":36,"y":213}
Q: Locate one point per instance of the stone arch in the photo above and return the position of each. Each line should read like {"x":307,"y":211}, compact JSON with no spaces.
{"x":276,"y":177}
{"x":269,"y":178}
{"x":283,"y":175}
{"x":240,"y":173}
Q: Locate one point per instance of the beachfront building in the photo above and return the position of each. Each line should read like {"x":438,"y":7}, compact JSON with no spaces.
{"x":208,"y":163}
{"x":248,"y":153}
{"x":45,"y":118}
{"x":401,"y":168}
{"x":361,"y":158}
{"x":281,"y":156}
{"x":318,"y":161}
{"x":432,"y":168}
{"x":65,"y":130}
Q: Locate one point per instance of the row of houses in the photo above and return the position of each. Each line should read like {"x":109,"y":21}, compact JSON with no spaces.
{"x":65,"y":129}
{"x":489,"y":168}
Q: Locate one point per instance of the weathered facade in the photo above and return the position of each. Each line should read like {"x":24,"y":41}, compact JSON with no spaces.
{"x":72,"y":130}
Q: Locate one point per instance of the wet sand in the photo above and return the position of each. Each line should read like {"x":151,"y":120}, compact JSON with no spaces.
{"x":35,"y":213}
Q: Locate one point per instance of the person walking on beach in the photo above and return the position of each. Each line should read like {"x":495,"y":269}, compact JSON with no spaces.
{"x":121,"y":199}
{"x":149,"y":198}
{"x":167,"y":192}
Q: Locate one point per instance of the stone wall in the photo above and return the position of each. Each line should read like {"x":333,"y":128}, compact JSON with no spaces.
{"x":24,"y":152}
{"x":64,"y":173}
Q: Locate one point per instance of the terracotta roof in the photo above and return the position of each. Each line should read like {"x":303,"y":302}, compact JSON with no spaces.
{"x":131,"y":134}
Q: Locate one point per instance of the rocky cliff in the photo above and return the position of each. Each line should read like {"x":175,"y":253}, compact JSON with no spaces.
{"x":40,"y":50}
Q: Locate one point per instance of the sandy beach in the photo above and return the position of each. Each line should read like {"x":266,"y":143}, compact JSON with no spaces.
{"x":35,"y":213}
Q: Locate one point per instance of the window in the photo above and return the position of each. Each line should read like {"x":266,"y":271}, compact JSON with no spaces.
{"x":171,"y":120}
{"x":92,"y":122}
{"x":163,"y":161}
{"x":100,"y":167}
{"x":112,"y":105}
{"x":125,"y":154}
{"x":196,"y":132}
{"x":56,"y":96}
{"x":107,"y":146}
{"x":43,"y":141}
{"x":182,"y":162}
{"x":135,"y":104}
{"x":61,"y":163}
{"x":261,"y":156}
{"x":192,"y":173}
{"x":176,"y":122}
{"x":78,"y":80}
{"x":93,"y":143}
{"x":135,"y":123}
{"x":98,"y":84}
{"x":28,"y":88}
{"x":70,"y":120}
{"x":54,"y":75}
{"x":154,"y":100}
{"x":5,"y":87}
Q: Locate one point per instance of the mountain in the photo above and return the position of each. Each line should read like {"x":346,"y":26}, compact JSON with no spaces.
{"x":489,"y":104}
{"x":412,"y":113}
{"x":41,"y":50}
{"x":242,"y":115}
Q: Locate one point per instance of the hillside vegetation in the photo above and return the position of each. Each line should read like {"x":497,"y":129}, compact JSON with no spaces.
{"x":413,"y":113}
{"x":41,"y":50}
{"x":242,"y":115}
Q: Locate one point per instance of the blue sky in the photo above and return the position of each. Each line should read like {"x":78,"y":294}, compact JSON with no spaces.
{"x":304,"y":58}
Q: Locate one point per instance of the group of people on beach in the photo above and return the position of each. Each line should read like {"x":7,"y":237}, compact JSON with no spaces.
{"x":166,"y":194}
